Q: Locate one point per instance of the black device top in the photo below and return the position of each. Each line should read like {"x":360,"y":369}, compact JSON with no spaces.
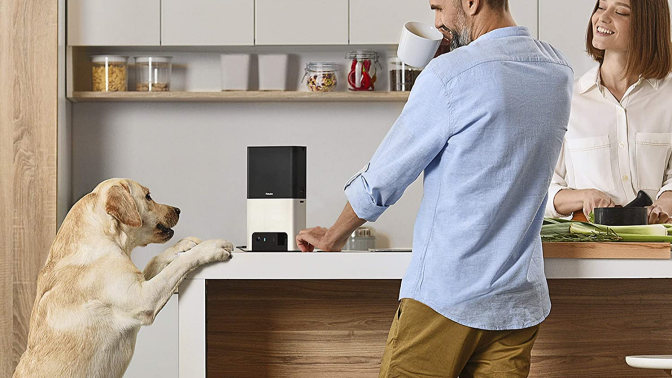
{"x":276,"y":172}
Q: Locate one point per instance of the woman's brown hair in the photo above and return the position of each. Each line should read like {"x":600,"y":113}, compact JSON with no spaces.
{"x":650,"y":49}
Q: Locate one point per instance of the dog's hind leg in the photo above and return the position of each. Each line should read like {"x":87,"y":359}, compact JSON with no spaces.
{"x":160,"y":261}
{"x":156,"y":292}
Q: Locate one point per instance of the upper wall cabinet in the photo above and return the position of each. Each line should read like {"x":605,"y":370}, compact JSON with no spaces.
{"x":114,"y":23}
{"x":301,"y":22}
{"x":379,"y":22}
{"x":564,"y":25}
{"x":526,"y":13}
{"x":207,"y":22}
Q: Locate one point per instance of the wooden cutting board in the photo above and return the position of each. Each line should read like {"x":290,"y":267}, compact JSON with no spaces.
{"x":564,"y":250}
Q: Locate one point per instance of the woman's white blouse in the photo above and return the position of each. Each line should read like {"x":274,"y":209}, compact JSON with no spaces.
{"x":617,"y":148}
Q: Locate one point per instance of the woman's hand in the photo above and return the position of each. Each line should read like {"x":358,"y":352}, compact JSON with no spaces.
{"x":658,"y":215}
{"x":661,"y":209}
{"x":568,"y":201}
{"x":593,"y":198}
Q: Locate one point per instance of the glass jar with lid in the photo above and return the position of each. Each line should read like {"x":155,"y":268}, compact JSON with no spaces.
{"x":362,"y":239}
{"x":110,"y":73}
{"x":153,"y":73}
{"x":362,"y":75}
{"x":321,"y":76}
{"x":402,"y":76}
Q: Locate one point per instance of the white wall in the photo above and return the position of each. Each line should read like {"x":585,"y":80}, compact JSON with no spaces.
{"x":193,"y":155}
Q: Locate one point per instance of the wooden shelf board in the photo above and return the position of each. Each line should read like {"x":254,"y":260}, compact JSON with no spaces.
{"x":654,"y":251}
{"x":239,"y":96}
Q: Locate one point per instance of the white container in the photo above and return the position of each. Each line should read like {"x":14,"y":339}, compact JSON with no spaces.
{"x":418,"y":44}
{"x":273,"y":72}
{"x":152,"y":73}
{"x":235,"y":72}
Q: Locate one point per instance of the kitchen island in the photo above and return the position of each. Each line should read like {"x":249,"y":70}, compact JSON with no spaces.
{"x":327,"y":314}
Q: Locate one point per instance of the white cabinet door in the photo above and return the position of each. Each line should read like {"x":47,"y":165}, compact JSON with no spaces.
{"x":301,"y":22}
{"x":526,"y":13}
{"x":114,"y":23}
{"x":207,"y":22}
{"x":379,"y":22}
{"x":564,"y":25}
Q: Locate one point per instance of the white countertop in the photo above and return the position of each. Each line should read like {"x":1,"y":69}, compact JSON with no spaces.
{"x":392,"y":265}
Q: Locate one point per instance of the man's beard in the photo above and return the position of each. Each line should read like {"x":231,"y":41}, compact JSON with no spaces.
{"x":463,"y":37}
{"x":460,"y":39}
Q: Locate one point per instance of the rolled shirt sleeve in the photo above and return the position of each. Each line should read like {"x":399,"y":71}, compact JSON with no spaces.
{"x":558,"y":183}
{"x":416,"y":138}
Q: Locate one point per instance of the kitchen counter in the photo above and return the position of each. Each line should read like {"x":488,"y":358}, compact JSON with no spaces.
{"x":392,"y":265}
{"x":351,"y":266}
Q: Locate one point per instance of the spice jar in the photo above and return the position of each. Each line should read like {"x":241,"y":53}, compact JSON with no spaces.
{"x":109,"y":73}
{"x":402,"y":76}
{"x":153,"y":73}
{"x":362,"y":239}
{"x":321,"y":77}
{"x":362,"y":74}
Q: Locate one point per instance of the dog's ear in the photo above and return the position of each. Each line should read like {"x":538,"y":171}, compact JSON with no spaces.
{"x":121,"y":206}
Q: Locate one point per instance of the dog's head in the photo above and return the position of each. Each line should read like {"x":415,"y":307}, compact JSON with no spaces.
{"x":131,"y":209}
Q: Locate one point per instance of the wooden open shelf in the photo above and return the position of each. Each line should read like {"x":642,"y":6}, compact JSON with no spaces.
{"x":239,"y":96}
{"x":618,"y":250}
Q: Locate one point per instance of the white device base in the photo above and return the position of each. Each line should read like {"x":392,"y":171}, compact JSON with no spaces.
{"x":276,"y":215}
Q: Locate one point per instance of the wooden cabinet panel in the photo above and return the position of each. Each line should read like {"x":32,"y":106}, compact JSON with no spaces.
{"x":381,"y":21}
{"x":29,"y":78}
{"x":207,"y":22}
{"x":526,"y":13}
{"x":301,"y":22}
{"x":307,"y":329}
{"x":114,"y":23}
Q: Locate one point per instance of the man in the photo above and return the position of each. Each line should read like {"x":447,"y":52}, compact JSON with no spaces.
{"x":485,"y":123}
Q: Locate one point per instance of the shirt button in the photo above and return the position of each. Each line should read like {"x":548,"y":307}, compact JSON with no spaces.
{"x":621,"y":144}
{"x":626,"y":178}
{"x":621,"y":110}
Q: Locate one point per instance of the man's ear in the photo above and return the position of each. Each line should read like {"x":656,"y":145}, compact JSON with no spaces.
{"x":473,"y":7}
{"x":121,"y":206}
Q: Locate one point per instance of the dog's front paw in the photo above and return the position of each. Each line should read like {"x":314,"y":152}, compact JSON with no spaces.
{"x":215,"y":250}
{"x":187,"y":243}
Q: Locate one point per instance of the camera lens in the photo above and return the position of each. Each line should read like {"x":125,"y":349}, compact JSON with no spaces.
{"x":258,"y":238}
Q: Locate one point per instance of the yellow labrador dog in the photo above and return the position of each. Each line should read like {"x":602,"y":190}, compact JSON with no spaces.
{"x":91,"y":299}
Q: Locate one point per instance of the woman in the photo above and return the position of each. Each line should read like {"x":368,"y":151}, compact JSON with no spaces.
{"x":619,"y":138}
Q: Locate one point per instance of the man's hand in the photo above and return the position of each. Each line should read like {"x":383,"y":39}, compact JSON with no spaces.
{"x":330,"y":239}
{"x":316,"y":237}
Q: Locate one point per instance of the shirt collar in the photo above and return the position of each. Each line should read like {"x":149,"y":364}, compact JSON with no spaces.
{"x":655,"y":83}
{"x":511,"y":31}
{"x":592,"y":79}
{"x":589,"y":80}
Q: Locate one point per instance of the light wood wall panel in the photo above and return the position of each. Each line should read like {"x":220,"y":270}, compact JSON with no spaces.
{"x":28,"y":151}
{"x":324,"y":329}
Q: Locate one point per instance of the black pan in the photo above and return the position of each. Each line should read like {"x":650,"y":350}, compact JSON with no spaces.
{"x":633,"y":214}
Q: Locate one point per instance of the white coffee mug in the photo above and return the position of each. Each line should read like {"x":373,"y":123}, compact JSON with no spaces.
{"x":418,"y":44}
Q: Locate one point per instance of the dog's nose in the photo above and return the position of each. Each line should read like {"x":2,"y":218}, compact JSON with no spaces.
{"x":177,"y":210}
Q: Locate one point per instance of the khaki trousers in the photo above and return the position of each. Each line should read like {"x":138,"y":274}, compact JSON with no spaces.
{"x":424,"y":343}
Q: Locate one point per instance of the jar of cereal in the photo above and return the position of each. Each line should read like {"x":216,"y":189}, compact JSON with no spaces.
{"x":110,"y":73}
{"x":320,"y":76}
